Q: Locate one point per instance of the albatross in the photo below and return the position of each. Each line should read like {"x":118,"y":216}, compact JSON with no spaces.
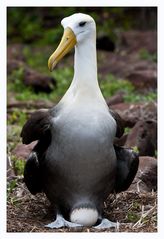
{"x":75,"y":161}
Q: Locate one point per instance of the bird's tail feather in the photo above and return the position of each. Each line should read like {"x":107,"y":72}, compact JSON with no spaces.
{"x":84,"y":215}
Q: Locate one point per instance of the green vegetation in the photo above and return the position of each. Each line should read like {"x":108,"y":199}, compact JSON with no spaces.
{"x":136,"y":205}
{"x":13,"y":133}
{"x":135,"y":149}
{"x":110,"y":85}
{"x":18,"y":165}
{"x":127,"y":130}
{"x":35,"y":21}
{"x":17,"y":116}
{"x":145,"y":55}
{"x":11,"y":185}
{"x":27,"y":24}
{"x":133,"y":213}
{"x":132,"y":217}
{"x":134,"y":97}
{"x":36,"y":59}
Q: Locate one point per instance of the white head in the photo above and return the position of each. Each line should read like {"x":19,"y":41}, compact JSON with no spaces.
{"x":82,"y":25}
{"x":78,"y":28}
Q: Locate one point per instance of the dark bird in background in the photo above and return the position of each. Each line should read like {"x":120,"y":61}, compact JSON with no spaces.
{"x":75,"y":162}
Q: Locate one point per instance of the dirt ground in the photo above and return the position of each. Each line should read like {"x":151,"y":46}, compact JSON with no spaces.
{"x":136,"y":212}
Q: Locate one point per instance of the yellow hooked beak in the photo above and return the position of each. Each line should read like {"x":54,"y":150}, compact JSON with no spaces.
{"x":68,"y":41}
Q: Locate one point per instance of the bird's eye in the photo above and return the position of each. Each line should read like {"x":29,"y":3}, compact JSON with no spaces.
{"x":81,"y":24}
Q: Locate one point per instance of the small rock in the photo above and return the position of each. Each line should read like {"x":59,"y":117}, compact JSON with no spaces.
{"x":132,"y":113}
{"x":146,"y":177}
{"x":148,"y":172}
{"x":135,"y":40}
{"x":38,"y":81}
{"x":143,"y":79}
{"x":143,"y":136}
{"x":121,"y":107}
{"x":32,"y":78}
{"x":116,"y":99}
{"x":123,"y":66}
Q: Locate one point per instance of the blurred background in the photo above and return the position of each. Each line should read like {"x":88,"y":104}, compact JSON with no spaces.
{"x":127,"y":72}
{"x":124,"y":36}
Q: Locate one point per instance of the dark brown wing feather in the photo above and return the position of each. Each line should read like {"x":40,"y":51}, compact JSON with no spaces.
{"x":127,"y":159}
{"x":36,"y":127}
{"x":127,"y":167}
{"x":119,"y":122}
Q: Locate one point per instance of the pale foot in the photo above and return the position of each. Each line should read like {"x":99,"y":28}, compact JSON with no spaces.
{"x":105,"y":224}
{"x":61,"y":222}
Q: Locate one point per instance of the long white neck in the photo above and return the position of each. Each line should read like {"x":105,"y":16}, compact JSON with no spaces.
{"x":85,"y":66}
{"x":85,"y":83}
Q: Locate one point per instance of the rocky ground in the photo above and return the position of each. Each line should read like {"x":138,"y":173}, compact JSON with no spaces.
{"x":135,"y":209}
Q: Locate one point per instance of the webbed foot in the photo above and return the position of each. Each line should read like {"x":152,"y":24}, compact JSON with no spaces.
{"x":61,"y":222}
{"x":105,"y":223}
